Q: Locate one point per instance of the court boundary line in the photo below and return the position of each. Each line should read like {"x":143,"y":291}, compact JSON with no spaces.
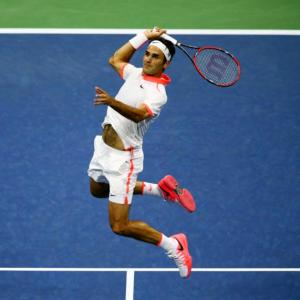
{"x":289,"y":32}
{"x":130,"y":272}
{"x":26,"y":269}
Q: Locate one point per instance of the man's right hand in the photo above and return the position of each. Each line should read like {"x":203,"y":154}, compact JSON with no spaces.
{"x":154,"y":33}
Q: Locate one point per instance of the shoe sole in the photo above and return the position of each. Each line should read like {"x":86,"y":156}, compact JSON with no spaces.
{"x":170,"y":184}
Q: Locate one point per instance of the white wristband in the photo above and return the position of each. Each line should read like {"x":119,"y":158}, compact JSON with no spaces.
{"x":138,"y":41}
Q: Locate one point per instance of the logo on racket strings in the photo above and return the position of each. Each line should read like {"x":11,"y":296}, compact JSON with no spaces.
{"x":217,"y":65}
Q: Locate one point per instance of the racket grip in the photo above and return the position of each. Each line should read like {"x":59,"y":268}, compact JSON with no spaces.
{"x":171,"y":39}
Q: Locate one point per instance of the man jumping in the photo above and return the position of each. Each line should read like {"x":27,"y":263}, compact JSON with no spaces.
{"x":118,"y":154}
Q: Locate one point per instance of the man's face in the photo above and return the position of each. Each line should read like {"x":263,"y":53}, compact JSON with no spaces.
{"x":154,"y":61}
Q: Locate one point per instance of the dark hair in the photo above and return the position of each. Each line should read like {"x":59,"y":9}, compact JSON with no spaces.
{"x":169,"y":45}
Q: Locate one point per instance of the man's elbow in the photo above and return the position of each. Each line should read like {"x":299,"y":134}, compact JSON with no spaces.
{"x":140,"y":117}
{"x":115,"y":63}
{"x":111,"y":60}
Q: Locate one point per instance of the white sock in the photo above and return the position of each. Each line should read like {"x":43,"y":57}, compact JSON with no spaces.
{"x":168,"y":243}
{"x":151,"y":189}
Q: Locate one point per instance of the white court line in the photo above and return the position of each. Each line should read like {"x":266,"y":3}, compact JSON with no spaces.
{"x":134,"y":31}
{"x":130,"y":272}
{"x":148,"y":269}
{"x":129,"y":284}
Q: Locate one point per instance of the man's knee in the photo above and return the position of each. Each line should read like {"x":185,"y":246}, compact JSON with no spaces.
{"x":118,"y":228}
{"x":118,"y":218}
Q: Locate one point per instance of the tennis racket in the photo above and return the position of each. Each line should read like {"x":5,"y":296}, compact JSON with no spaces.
{"x":214,"y":64}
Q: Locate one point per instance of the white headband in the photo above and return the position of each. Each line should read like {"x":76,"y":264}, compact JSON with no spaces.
{"x":163,"y":48}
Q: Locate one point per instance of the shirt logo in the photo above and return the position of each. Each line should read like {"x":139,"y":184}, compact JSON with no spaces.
{"x":141,"y":86}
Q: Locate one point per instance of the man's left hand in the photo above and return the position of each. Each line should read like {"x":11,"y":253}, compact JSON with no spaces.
{"x":102,"y":97}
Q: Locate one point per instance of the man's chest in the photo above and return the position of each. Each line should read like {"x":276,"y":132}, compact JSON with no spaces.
{"x":135,"y":92}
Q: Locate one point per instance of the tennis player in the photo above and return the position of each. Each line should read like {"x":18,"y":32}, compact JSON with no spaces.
{"x":118,"y":154}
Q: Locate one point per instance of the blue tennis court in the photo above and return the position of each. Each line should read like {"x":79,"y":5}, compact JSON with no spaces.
{"x":237,"y":149}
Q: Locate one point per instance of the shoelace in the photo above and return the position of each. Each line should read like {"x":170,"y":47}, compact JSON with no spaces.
{"x":178,"y":190}
{"x":178,"y":257}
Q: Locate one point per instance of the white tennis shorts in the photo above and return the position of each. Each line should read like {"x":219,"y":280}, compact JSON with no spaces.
{"x":117,"y":168}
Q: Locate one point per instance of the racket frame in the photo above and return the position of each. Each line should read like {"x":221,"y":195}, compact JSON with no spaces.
{"x":199,"y":49}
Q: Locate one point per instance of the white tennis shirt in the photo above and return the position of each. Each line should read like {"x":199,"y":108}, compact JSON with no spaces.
{"x":138,"y":88}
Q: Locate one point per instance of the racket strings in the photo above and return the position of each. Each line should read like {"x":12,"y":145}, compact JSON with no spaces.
{"x":217,"y":66}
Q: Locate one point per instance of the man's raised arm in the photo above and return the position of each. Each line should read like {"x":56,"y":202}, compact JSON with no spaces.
{"x":123,"y":55}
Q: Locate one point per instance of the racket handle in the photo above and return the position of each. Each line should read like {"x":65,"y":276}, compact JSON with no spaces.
{"x":171,"y":39}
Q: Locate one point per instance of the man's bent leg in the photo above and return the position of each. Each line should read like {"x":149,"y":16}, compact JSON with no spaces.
{"x":99,"y":189}
{"x":138,"y":189}
{"x":120,"y":224}
{"x":175,"y":246}
{"x":142,"y":188}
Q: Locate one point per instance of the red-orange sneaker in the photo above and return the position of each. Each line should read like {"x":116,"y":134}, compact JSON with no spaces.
{"x":182,"y":256}
{"x":173,"y":192}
